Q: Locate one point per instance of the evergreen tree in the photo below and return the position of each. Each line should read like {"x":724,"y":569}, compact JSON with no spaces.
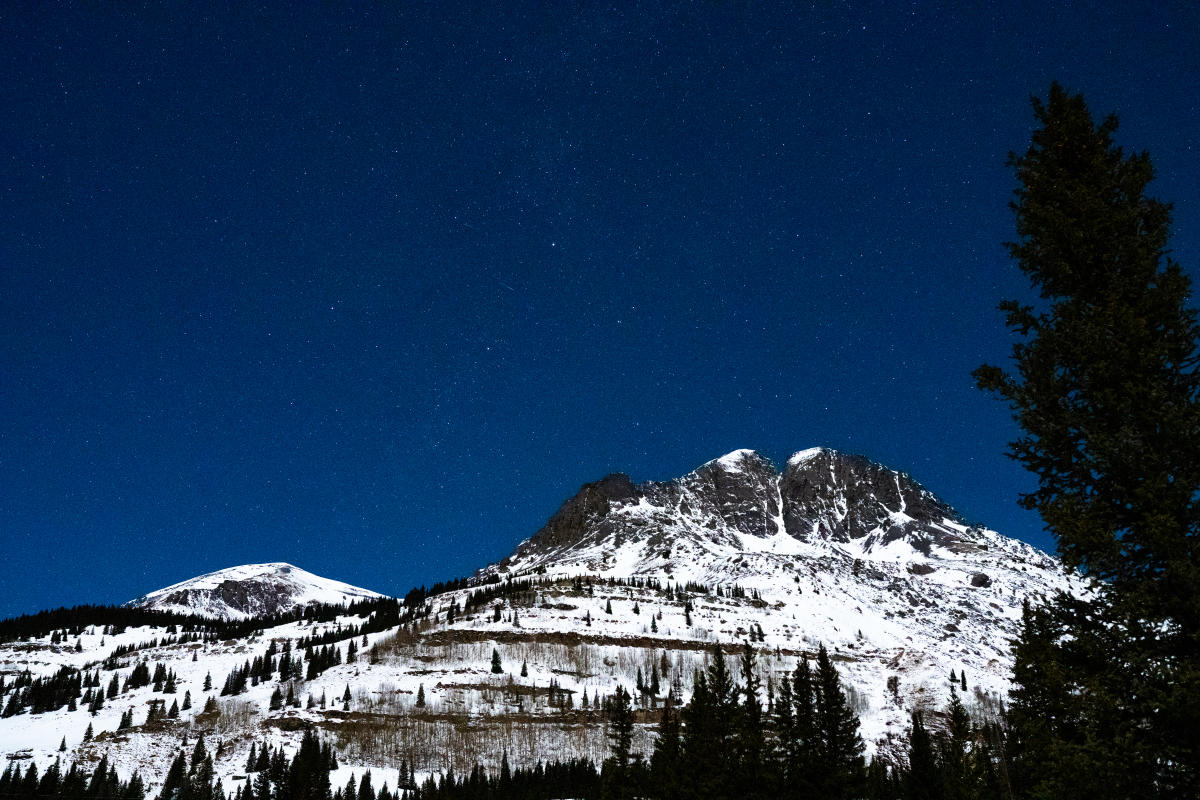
{"x":709,"y":722}
{"x":420,"y":695}
{"x":665,"y":762}
{"x":803,"y":763}
{"x":955,"y":754}
{"x":620,"y":734}
{"x":923,"y":780}
{"x":1108,"y":399}
{"x":841,"y":748}
{"x":175,"y":783}
{"x":750,"y":743}
{"x":199,"y":753}
{"x":497,"y":667}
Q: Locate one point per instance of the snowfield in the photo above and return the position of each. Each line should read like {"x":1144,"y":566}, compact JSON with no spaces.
{"x":635,"y":589}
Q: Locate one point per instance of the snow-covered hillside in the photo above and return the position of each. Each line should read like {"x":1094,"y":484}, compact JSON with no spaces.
{"x":252,"y":590}
{"x":625,"y":582}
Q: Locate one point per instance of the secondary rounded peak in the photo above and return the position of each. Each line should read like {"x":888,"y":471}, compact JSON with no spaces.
{"x":251,"y":590}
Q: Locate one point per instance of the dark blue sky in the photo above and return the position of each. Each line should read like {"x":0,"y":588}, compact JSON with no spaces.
{"x":375,"y":291}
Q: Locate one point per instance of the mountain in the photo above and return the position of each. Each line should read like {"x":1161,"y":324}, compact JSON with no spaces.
{"x":823,"y":504}
{"x":625,"y":582}
{"x":251,"y":590}
{"x":833,"y":548}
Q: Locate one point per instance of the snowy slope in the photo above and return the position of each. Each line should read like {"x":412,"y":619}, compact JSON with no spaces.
{"x":251,"y":590}
{"x":832,"y":549}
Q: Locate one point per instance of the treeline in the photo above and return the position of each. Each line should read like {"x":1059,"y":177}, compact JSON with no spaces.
{"x":74,"y":689}
{"x":575,"y":778}
{"x":271,"y":775}
{"x":72,"y":622}
{"x":800,"y":740}
{"x":101,"y":782}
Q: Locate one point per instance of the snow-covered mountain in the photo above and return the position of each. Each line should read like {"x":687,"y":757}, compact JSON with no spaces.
{"x":251,"y":590}
{"x":737,"y":519}
{"x":626,"y":581}
{"x":834,"y":548}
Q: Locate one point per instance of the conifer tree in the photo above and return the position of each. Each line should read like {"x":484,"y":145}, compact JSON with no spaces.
{"x":1107,"y":396}
{"x":420,"y":695}
{"x":803,"y":761}
{"x":955,"y":754}
{"x":665,"y":762}
{"x":497,"y":666}
{"x":175,"y":783}
{"x":620,"y":737}
{"x":841,"y":748}
{"x":750,"y":744}
{"x":923,"y":779}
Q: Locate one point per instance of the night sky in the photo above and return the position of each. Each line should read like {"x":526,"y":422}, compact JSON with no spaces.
{"x":375,"y":291}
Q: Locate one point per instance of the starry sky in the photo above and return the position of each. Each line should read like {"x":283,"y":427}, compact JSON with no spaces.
{"x":374,"y":290}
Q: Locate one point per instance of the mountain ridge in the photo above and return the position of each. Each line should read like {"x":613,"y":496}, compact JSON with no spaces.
{"x":820,"y":495}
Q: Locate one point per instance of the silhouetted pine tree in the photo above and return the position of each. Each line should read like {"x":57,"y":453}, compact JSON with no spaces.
{"x":841,"y":748}
{"x":923,"y":779}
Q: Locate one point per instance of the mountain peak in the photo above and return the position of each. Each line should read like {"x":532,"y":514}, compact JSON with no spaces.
{"x":735,"y":460}
{"x":803,"y":456}
{"x":741,"y":502}
{"x":251,"y":590}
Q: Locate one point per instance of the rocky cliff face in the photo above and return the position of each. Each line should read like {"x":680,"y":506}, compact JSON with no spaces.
{"x":820,"y":496}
